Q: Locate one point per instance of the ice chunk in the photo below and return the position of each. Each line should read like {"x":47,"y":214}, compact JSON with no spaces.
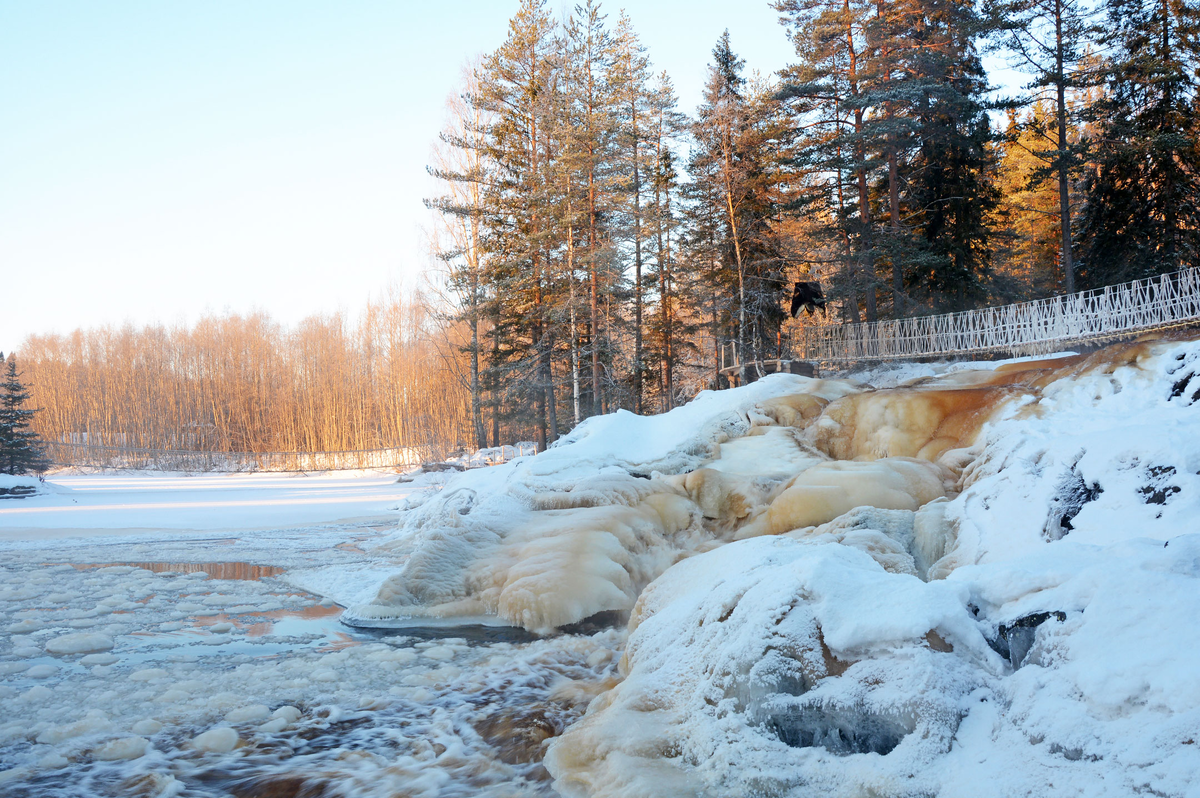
{"x":79,"y":643}
{"x":149,"y":675}
{"x":172,"y":696}
{"x":274,"y":726}
{"x":440,"y":653}
{"x":53,"y":761}
{"x":37,"y":694}
{"x":247,"y":714}
{"x":147,"y":727}
{"x":98,"y":659}
{"x":121,"y":748}
{"x":42,"y":671}
{"x":220,"y":740}
{"x":88,"y":725}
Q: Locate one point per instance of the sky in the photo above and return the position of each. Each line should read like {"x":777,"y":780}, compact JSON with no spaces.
{"x":160,"y":161}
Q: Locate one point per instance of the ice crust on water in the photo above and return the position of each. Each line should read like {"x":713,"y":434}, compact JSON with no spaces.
{"x":396,"y":714}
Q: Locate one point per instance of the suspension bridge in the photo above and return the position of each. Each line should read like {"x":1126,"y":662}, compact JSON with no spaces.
{"x":1039,"y":327}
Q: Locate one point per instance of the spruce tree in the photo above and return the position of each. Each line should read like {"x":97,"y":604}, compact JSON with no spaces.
{"x":1142,"y":212}
{"x":951,"y":187}
{"x":21,"y":450}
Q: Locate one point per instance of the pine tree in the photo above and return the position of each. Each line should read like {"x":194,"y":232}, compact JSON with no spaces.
{"x":1142,"y":212}
{"x":593,"y":133}
{"x":827,"y":92}
{"x":516,"y":92}
{"x":670,"y":331}
{"x":629,"y":78}
{"x":734,"y":181}
{"x":21,"y":450}
{"x":461,"y":165}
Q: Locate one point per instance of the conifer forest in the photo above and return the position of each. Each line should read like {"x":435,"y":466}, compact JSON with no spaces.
{"x":598,"y":247}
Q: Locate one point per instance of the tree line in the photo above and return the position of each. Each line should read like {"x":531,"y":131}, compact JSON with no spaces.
{"x":388,"y":377}
{"x":602,"y":249}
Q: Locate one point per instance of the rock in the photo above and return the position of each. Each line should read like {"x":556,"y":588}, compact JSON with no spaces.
{"x":1013,"y":640}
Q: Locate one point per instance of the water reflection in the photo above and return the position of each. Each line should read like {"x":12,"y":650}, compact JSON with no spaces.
{"x":217,"y":570}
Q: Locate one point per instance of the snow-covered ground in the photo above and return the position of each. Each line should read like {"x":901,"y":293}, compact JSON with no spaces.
{"x":932,"y":579}
{"x":123,"y":503}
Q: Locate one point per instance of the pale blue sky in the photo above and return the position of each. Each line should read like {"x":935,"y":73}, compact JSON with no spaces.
{"x":161,"y":159}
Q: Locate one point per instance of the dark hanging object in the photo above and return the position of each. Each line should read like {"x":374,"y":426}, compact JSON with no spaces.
{"x":808,"y":296}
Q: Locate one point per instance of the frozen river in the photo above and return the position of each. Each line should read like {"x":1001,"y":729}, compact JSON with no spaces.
{"x":158,"y":640}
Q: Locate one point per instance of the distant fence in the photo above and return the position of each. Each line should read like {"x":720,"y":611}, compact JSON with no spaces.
{"x":1027,"y":328}
{"x":123,"y":457}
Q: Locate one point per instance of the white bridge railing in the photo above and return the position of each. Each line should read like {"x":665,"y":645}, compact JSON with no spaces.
{"x":1027,"y":328}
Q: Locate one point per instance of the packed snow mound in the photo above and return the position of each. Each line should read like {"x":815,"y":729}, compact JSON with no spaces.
{"x":18,"y":487}
{"x":773,"y":665}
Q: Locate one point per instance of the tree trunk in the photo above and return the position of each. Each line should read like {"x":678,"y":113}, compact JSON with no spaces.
{"x":1064,"y":186}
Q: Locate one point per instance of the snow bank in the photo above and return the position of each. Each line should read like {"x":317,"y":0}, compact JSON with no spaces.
{"x":18,"y":487}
